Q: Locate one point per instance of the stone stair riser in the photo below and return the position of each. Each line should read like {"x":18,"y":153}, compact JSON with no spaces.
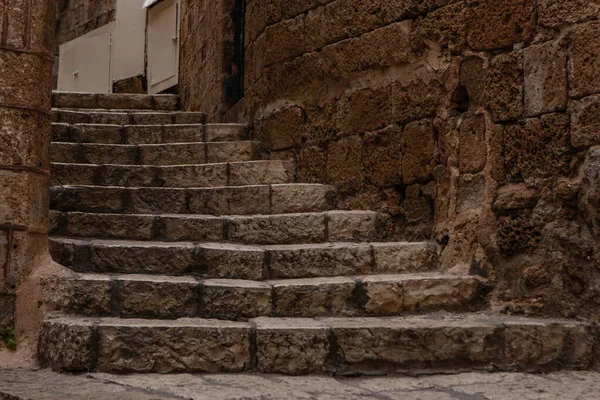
{"x":171,"y":297}
{"x":205,"y":175}
{"x":245,"y":262}
{"x":127,"y":117}
{"x":115,"y":101}
{"x":233,"y":200}
{"x":303,"y":346}
{"x":263,"y":229}
{"x":159,"y":154}
{"x":147,"y":134}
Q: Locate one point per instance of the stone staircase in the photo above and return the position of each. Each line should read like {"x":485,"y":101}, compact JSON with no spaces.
{"x":192,"y":255}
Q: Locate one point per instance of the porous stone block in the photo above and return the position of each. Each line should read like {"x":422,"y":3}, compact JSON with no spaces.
{"x":352,"y":226}
{"x":391,"y":258}
{"x":553,"y":14}
{"x":418,"y":148}
{"x":497,"y":24}
{"x":235,"y":299}
{"x":473,"y":145}
{"x":344,"y":161}
{"x":545,"y":78}
{"x":297,"y":198}
{"x":585,"y":121}
{"x":440,"y":293}
{"x":24,"y":138}
{"x":584,"y":61}
{"x":82,"y":294}
{"x":516,"y":197}
{"x":291,"y":346}
{"x":504,"y":86}
{"x":382,"y":156}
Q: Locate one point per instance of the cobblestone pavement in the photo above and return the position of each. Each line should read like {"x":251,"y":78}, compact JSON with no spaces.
{"x":22,"y":384}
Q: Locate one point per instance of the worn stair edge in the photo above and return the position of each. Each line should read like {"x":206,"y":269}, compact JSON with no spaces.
{"x":295,"y":228}
{"x":436,"y":342}
{"x":127,"y":117}
{"x":241,"y":173}
{"x":228,"y":200}
{"x":147,"y":134}
{"x":114,"y":101}
{"x":169,"y":297}
{"x":154,"y":154}
{"x":230,"y":261}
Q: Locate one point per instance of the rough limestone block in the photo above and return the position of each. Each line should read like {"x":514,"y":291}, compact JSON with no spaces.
{"x":172,"y":154}
{"x":185,"y":118}
{"x":66,"y":344}
{"x":278,"y":229}
{"x":225,"y":132}
{"x":157,"y":297}
{"x":151,"y":118}
{"x":354,"y":226}
{"x":260,"y":172}
{"x":314,"y":297}
{"x":295,"y":198}
{"x":173,"y":346}
{"x":584,"y":60}
{"x":81,"y":294}
{"x":291,"y":346}
{"x":109,"y":118}
{"x":178,"y":228}
{"x":208,"y":175}
{"x":154,"y":200}
{"x":110,"y":226}
{"x":545,"y":78}
{"x":504,"y":86}
{"x":90,"y":133}
{"x":182,"y":134}
{"x":308,"y":261}
{"x":230,"y":261}
{"x":217,"y":152}
{"x":383,"y":295}
{"x":235,"y":299}
{"x":585,"y":121}
{"x":404,"y":257}
{"x":442,"y":292}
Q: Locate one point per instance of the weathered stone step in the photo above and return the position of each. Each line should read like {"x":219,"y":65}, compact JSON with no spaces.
{"x":115,"y":101}
{"x":437,"y":342}
{"x":127,"y":117}
{"x":148,"y":134}
{"x":333,"y":226}
{"x":228,"y":200}
{"x":168,"y":297}
{"x":153,"y":154}
{"x":235,"y":261}
{"x":179,"y":176}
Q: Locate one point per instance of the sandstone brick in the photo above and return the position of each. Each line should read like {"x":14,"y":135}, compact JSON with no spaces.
{"x":418,"y":152}
{"x":473,"y":76}
{"x":312,"y":164}
{"x":282,"y":128}
{"x":291,"y":346}
{"x":515,"y":197}
{"x":500,"y":24}
{"x":473,"y":145}
{"x":371,"y":109}
{"x":284,"y":40}
{"x":416,"y":207}
{"x":583,"y":60}
{"x":324,"y":26}
{"x":545,"y":78}
{"x":538,"y":147}
{"x":585,"y":121}
{"x":382,"y":157}
{"x":504,"y":86}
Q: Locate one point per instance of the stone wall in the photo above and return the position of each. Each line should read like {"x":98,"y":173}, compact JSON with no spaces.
{"x":207,"y":50}
{"x":75,"y":18}
{"x":474,"y":123}
{"x":26,"y":58}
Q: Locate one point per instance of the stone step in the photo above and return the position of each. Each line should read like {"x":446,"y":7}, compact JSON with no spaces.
{"x":169,"y":297}
{"x":333,"y":226}
{"x":236,"y":261}
{"x":228,"y":200}
{"x":115,"y":101}
{"x":148,"y":134}
{"x":241,"y":173}
{"x":154,"y":154}
{"x":127,"y":117}
{"x":437,"y":342}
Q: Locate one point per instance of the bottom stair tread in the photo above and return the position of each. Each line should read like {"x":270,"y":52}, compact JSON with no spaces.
{"x":301,"y":345}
